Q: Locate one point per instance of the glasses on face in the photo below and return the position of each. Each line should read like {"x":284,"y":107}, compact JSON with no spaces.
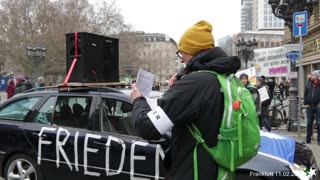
{"x":179,"y":55}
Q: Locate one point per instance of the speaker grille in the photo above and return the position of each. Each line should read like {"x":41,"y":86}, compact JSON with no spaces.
{"x":96,"y":53}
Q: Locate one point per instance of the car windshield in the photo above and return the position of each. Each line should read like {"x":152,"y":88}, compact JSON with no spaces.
{"x":17,"y":110}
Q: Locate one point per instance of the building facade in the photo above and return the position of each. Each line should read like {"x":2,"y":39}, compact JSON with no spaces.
{"x":311,"y":47}
{"x":158,"y":55}
{"x":265,"y":39}
{"x":263,"y":18}
{"x":246,"y":15}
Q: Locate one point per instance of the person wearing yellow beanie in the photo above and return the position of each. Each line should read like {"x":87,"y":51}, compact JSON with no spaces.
{"x":197,"y":38}
{"x":194,"y":98}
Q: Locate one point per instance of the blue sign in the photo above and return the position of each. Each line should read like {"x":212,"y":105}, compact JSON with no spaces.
{"x":3,"y":84}
{"x":300,"y":20}
{"x":293,"y":56}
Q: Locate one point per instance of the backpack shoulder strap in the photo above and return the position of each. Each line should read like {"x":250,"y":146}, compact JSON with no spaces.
{"x":225,"y":83}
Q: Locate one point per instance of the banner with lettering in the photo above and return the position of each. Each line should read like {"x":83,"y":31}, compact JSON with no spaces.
{"x":271,"y":62}
{"x":251,"y":72}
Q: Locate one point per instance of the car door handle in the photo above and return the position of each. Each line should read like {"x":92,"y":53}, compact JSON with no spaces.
{"x":37,"y":135}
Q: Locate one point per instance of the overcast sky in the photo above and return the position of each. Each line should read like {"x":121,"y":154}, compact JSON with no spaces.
{"x":173,"y":17}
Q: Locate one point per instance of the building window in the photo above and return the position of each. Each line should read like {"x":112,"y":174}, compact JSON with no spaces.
{"x":272,"y":44}
{"x":267,"y":44}
{"x":154,"y":38}
{"x":261,"y":44}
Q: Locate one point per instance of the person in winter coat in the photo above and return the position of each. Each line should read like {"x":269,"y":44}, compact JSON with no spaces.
{"x":21,"y":85}
{"x":40,"y":83}
{"x":281,"y":88}
{"x":271,"y":85}
{"x":195,"y":98}
{"x":253,"y":90}
{"x":264,"y":114}
{"x":311,"y":102}
{"x":10,"y":89}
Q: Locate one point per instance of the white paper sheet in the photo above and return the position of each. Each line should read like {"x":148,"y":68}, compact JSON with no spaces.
{"x":144,"y":82}
{"x":263,"y":94}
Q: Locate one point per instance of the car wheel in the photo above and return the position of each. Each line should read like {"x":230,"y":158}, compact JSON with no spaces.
{"x":21,"y":166}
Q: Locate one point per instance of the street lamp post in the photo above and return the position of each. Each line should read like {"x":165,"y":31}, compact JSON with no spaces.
{"x":245,"y":50}
{"x":284,"y":9}
{"x":36,"y":55}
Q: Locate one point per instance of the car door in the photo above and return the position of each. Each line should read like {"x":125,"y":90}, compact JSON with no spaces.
{"x":58,"y":133}
{"x":125,"y":155}
{"x":13,"y":115}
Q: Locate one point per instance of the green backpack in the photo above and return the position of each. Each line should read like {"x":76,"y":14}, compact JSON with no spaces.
{"x":239,"y":134}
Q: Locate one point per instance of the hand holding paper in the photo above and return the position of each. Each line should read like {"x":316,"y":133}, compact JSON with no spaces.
{"x":145,"y":81}
{"x":135,"y":93}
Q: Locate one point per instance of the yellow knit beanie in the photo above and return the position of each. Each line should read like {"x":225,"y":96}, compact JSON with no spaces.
{"x":197,"y":38}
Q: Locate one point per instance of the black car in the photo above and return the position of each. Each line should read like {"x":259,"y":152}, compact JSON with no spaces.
{"x":86,"y":133}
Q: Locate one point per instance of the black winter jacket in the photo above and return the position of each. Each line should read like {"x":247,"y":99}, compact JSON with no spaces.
{"x":312,"y":94}
{"x":20,"y":87}
{"x":196,"y":98}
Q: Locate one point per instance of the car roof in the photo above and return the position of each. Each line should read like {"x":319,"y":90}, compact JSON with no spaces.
{"x":74,"y":91}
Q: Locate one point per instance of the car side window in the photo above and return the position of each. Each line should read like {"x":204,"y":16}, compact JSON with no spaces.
{"x":18,"y":110}
{"x":72,"y":112}
{"x":116,"y":117}
{"x":45,"y":113}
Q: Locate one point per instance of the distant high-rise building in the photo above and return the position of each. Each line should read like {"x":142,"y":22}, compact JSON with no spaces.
{"x":263,"y":18}
{"x":226,"y":44}
{"x":246,"y":15}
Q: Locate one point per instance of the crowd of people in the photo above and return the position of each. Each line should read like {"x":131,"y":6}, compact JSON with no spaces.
{"x":21,"y":84}
{"x":262,"y":105}
{"x":311,"y":100}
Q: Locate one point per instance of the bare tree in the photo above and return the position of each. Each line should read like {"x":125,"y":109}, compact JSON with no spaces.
{"x":129,"y":47}
{"x":45,"y":22}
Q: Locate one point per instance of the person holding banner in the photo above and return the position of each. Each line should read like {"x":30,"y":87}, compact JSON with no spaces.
{"x":265,"y":101}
